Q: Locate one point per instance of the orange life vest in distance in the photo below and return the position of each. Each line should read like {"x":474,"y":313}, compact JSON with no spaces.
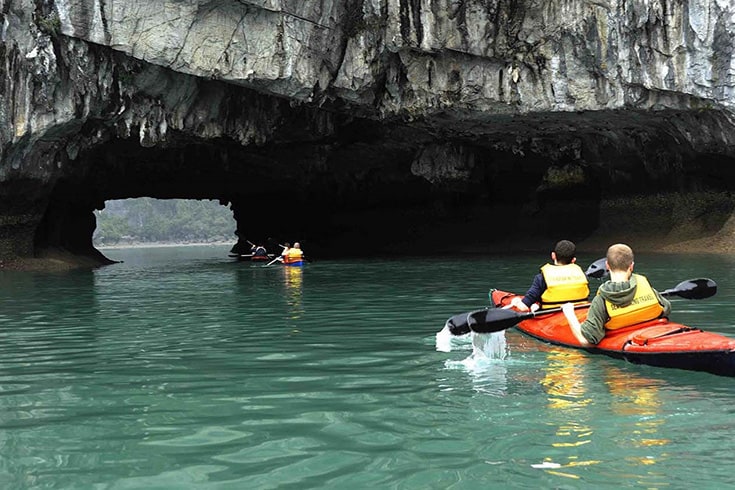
{"x":293,"y":255}
{"x":564,"y":284}
{"x":644,"y":307}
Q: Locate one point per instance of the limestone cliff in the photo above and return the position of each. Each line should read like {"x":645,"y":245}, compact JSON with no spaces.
{"x":420,"y":119}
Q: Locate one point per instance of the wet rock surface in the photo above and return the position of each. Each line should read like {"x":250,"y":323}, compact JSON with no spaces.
{"x":373,"y":127}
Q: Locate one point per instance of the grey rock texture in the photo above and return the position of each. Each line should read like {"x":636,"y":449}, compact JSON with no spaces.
{"x":444,"y":109}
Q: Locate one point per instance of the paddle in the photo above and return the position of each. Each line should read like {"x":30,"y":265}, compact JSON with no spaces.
{"x":274,"y":260}
{"x":494,"y":320}
{"x":458,"y":324}
{"x":690,"y":289}
{"x":597,"y":269}
{"x":693,"y":289}
{"x":490,"y":320}
{"x":240,"y":256}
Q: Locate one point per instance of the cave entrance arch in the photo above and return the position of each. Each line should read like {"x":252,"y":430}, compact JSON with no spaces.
{"x":334,"y":197}
{"x":148,"y":220}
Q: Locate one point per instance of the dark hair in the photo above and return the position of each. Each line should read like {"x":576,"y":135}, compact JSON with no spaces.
{"x":565,"y":251}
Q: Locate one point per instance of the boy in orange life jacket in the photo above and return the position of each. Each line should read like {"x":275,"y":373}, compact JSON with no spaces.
{"x":624,"y":300}
{"x":558,"y":282}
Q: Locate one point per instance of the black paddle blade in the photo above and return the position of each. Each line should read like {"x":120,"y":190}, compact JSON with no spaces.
{"x":693,"y":289}
{"x":495,"y":320}
{"x":597,"y":269}
{"x":458,"y":325}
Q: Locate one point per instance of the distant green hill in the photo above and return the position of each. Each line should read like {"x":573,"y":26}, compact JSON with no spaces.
{"x":147,"y":220}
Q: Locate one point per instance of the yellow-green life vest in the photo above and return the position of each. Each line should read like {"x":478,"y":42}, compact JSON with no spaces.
{"x":642,"y":308}
{"x":564,"y":284}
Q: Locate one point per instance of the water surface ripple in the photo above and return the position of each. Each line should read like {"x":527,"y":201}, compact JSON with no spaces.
{"x":180,"y":369}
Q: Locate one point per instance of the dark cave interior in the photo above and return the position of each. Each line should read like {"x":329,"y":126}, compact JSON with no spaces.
{"x":339,"y":198}
{"x":372,"y":188}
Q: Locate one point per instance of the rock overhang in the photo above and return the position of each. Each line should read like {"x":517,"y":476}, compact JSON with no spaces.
{"x":396,"y":104}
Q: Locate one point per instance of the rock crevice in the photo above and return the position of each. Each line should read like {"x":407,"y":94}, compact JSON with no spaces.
{"x":438,"y":113}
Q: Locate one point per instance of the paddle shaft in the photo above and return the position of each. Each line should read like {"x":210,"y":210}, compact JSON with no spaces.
{"x":274,"y":260}
{"x":495,"y":320}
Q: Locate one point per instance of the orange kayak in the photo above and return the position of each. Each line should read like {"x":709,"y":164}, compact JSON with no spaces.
{"x":657,"y":343}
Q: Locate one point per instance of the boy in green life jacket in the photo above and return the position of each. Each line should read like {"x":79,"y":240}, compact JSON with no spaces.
{"x":626,"y":299}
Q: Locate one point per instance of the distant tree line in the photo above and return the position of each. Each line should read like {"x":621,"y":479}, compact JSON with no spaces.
{"x":146,"y":220}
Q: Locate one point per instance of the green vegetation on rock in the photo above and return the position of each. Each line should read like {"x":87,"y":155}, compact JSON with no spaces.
{"x":148,"y":220}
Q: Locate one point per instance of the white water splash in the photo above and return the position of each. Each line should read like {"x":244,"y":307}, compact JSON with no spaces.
{"x":445,"y":340}
{"x":484,"y":345}
{"x":485,"y":365}
{"x":489,"y":345}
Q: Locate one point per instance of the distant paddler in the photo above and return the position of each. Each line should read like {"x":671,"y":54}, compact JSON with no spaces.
{"x":293,"y":255}
{"x":259,"y":253}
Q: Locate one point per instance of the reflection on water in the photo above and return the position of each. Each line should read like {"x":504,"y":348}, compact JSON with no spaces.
{"x":634,"y":401}
{"x":564,"y":379}
{"x":636,"y":398}
{"x":293,"y":281}
{"x":568,"y":402}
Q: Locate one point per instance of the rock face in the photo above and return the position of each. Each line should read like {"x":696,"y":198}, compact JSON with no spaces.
{"x":362,"y":122}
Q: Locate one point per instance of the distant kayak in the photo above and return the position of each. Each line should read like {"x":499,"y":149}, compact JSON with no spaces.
{"x":252,"y":258}
{"x":292,"y":263}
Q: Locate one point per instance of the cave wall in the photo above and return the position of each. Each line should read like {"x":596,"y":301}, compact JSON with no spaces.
{"x":421,"y":119}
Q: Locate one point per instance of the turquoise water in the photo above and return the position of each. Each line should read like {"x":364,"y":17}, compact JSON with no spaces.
{"x":181,"y":369}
